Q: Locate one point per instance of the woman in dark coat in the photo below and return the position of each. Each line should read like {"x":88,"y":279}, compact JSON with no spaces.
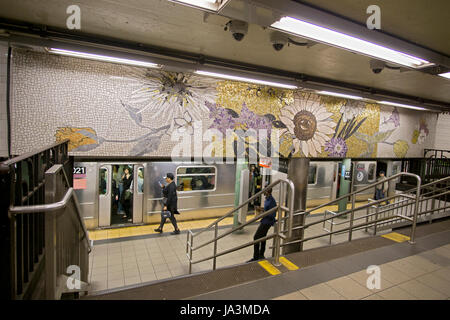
{"x":127,"y":196}
{"x":170,"y":194}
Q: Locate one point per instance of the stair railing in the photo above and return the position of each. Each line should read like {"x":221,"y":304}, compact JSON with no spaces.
{"x":284,"y":197}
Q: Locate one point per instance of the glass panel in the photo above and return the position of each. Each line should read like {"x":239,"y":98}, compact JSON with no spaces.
{"x":195,"y":170}
{"x":394,"y":169}
{"x":140,"y":180}
{"x":196,"y":183}
{"x":371,"y":174}
{"x":103,"y":182}
{"x":312,"y":171}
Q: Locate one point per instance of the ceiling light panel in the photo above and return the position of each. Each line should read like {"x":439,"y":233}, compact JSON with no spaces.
{"x":341,"y":40}
{"x":245,"y":79}
{"x":340,"y":95}
{"x":445,"y":75}
{"x":210,"y":5}
{"x":401,"y":105}
{"x":91,"y":56}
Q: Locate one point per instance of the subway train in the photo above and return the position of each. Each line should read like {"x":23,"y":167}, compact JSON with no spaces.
{"x":204,"y":190}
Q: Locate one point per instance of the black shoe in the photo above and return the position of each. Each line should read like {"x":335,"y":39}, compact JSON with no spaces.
{"x":176,"y":232}
{"x":159,"y":230}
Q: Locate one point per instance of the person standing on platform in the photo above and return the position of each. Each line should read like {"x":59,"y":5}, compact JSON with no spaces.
{"x":169,"y":203}
{"x":264,"y":226}
{"x":382,"y":188}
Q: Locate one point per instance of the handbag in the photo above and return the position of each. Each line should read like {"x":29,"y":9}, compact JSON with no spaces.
{"x":165,"y":214}
{"x":127,"y":195}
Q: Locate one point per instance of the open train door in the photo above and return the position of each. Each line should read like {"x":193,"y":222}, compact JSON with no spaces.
{"x":138,"y":193}
{"x":104,"y":195}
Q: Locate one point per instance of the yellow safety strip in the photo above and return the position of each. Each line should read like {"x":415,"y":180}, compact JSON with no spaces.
{"x":269,"y":267}
{"x":288,"y":264}
{"x":397,"y":237}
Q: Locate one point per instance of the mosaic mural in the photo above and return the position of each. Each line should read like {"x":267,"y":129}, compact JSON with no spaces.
{"x":109,"y":109}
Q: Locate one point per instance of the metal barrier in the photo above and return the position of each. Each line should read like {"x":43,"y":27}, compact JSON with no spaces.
{"x":34,"y":223}
{"x":284,"y":197}
{"x":401,"y":209}
{"x":351,"y":223}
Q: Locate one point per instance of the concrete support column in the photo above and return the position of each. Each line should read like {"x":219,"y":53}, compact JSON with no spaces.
{"x":298,"y":174}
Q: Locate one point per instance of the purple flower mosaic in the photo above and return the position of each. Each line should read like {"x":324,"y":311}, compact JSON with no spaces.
{"x":336,"y":147}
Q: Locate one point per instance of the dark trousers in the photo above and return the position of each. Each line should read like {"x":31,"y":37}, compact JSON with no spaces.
{"x":379,"y":194}
{"x":172,"y":219}
{"x":260,"y":247}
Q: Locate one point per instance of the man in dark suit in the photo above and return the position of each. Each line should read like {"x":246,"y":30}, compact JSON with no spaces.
{"x":170,"y":194}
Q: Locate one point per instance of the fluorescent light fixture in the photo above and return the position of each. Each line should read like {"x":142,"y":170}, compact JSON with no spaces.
{"x":210,"y":5}
{"x":244,"y":79}
{"x":445,"y":75}
{"x":341,"y":40}
{"x":92,"y":56}
{"x":401,"y":105}
{"x":340,"y":95}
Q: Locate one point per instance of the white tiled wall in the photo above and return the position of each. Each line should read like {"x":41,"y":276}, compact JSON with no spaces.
{"x":442,"y":140}
{"x":3,"y":112}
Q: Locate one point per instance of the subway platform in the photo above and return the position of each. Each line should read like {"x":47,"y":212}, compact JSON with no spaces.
{"x":337,"y":272}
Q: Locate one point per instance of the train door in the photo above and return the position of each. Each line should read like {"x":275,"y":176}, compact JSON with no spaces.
{"x":138,"y":193}
{"x":336,"y":180}
{"x":365,"y":173}
{"x":104,"y":195}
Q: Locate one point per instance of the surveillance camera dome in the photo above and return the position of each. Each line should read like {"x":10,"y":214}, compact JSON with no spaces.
{"x":238,"y":36}
{"x":377,"y":65}
{"x":238,"y":28}
{"x":278,"y":40}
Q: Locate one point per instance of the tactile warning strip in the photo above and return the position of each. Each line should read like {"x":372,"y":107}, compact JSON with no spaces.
{"x":269,"y":267}
{"x":397,"y":237}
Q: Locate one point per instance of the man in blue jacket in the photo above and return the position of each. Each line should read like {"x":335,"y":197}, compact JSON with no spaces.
{"x":264,"y":226}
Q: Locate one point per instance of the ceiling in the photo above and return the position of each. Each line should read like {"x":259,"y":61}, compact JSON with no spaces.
{"x":165,"y":24}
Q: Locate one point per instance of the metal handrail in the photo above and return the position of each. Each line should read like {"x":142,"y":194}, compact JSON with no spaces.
{"x":359,"y":190}
{"x":277,"y":235}
{"x":50,"y":207}
{"x":256,"y":195}
{"x":55,"y":206}
{"x":43,"y":207}
{"x":353,"y":209}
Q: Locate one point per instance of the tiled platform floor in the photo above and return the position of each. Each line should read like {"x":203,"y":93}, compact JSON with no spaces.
{"x":183,"y":225}
{"x":425,"y":276}
{"x":129,"y":261}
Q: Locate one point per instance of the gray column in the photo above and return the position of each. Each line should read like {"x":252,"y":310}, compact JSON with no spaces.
{"x":298,"y":174}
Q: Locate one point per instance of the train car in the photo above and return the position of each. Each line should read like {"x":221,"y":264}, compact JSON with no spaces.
{"x":204,"y":191}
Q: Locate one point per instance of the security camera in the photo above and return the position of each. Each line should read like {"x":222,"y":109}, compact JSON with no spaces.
{"x":377,"y":65}
{"x":278,"y":40}
{"x":237,"y":28}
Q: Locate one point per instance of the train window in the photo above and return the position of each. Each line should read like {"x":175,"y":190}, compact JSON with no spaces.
{"x":394,"y":169}
{"x":196,"y":178}
{"x":140,"y":180}
{"x":103,"y":182}
{"x":371,"y":173}
{"x":312,"y":173}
